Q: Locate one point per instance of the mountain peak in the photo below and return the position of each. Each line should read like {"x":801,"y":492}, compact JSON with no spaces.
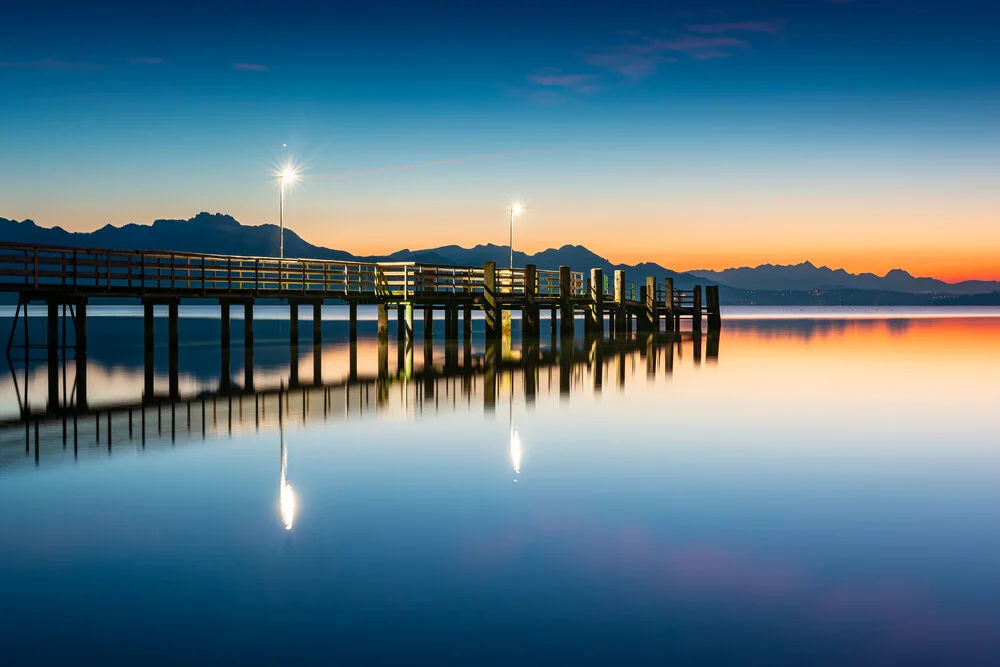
{"x":898,"y":273}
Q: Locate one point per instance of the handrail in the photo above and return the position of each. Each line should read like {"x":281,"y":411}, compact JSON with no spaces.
{"x":141,"y":272}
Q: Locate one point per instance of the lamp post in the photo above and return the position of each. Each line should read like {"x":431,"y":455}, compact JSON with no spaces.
{"x":515,"y":209}
{"x":288,"y":174}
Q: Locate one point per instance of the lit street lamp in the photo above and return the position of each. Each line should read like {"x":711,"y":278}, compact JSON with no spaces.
{"x":288,"y":174}
{"x":515,"y":209}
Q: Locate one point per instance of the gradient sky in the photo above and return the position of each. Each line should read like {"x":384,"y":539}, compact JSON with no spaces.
{"x":863,"y":135}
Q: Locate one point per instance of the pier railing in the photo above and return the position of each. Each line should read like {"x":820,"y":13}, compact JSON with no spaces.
{"x":97,"y":271}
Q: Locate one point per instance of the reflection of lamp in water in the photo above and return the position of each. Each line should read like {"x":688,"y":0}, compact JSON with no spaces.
{"x":516,"y":450}
{"x":286,"y":495}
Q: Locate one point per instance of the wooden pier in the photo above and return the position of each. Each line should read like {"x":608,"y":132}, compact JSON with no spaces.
{"x":65,"y":279}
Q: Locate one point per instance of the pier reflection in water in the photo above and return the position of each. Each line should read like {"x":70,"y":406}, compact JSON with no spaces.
{"x":357,"y":380}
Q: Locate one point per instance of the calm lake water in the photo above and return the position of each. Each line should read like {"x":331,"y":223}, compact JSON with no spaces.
{"x":811,"y":488}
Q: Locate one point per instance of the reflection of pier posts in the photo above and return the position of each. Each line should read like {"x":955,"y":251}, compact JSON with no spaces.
{"x":293,"y":343}
{"x":621,"y":364}
{"x":352,"y":363}
{"x":490,"y":376}
{"x":248,"y":345}
{"x":712,"y":345}
{"x":597,"y":363}
{"x":173,"y":342}
{"x":317,"y":342}
{"x":696,"y":346}
{"x":400,"y":338}
{"x":668,"y":356}
{"x":52,"y":347}
{"x":81,"y":354}
{"x":428,"y":351}
{"x":225,"y":372}
{"x":566,"y":351}
{"x":651,"y":356}
{"x":530,"y":356}
{"x":383,"y":359}
{"x":147,"y":347}
{"x":668,"y":304}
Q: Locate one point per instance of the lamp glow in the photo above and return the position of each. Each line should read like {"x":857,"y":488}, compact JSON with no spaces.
{"x":288,"y":173}
{"x":515,"y":209}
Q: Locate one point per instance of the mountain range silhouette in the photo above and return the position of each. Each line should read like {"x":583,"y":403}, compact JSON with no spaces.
{"x":222,"y":234}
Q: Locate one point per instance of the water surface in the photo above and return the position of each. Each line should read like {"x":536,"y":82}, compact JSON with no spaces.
{"x":823,"y":490}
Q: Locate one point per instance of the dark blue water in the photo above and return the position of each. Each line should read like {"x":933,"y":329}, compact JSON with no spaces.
{"x":817,"y":495}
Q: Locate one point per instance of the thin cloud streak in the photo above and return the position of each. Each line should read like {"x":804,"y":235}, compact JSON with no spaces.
{"x":250,"y":67}
{"x":146,"y":61}
{"x":436,"y":163}
{"x":773,"y":27}
{"x":50,"y":64}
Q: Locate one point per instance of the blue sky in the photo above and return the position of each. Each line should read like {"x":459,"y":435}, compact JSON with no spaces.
{"x":775,"y":124}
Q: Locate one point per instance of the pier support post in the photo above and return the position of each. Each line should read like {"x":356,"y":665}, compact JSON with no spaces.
{"x":225,"y":372}
{"x":492,"y":305}
{"x":529,"y":316}
{"x":248,"y":345}
{"x":566,"y":319}
{"x":400,"y":323}
{"x":408,"y":323}
{"x":317,"y":342}
{"x":595,"y":313}
{"x":652,"y":315}
{"x":52,"y":345}
{"x":451,"y":337}
{"x":293,"y":340}
{"x":668,"y":304}
{"x":383,"y":322}
{"x":352,"y":326}
{"x":81,"y":354}
{"x":696,"y":314}
{"x":620,"y":314}
{"x":714,"y":308}
{"x":428,"y":324}
{"x":147,"y":346}
{"x":174,"y":342}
